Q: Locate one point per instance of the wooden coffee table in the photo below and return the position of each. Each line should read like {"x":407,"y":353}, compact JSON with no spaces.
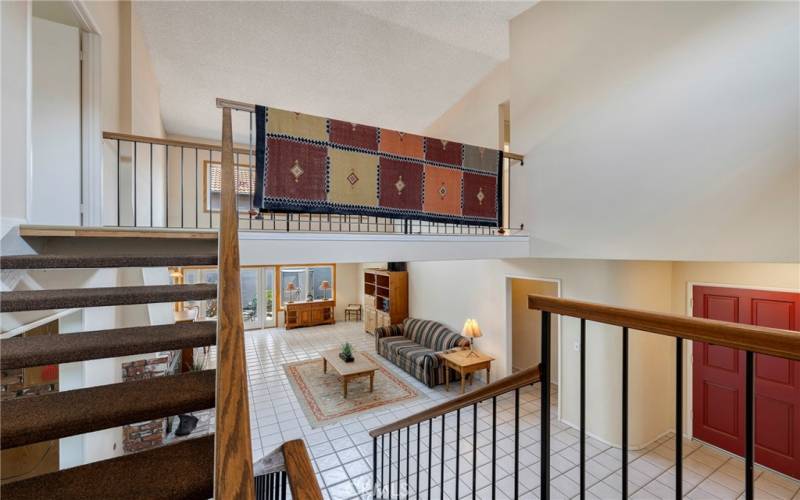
{"x":361,"y":367}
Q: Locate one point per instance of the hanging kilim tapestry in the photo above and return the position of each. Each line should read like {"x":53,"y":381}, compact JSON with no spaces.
{"x":308,"y":164}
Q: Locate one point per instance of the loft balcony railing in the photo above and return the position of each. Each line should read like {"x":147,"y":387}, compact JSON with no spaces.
{"x":164,"y":183}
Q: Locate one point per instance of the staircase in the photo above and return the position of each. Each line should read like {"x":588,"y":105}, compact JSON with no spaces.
{"x":57,"y":415}
{"x":219,"y":465}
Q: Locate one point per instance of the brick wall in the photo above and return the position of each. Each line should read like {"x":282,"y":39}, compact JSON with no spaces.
{"x":149,"y":434}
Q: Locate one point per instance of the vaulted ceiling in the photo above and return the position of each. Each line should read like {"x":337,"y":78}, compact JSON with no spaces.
{"x":393,"y":64}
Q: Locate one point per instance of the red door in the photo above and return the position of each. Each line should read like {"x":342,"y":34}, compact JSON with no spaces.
{"x":718,"y":391}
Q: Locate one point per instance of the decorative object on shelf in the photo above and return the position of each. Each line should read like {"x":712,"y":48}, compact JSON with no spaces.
{"x":291,"y":289}
{"x":311,"y":164}
{"x":325,"y":286}
{"x":471,"y":330}
{"x":347,"y":353}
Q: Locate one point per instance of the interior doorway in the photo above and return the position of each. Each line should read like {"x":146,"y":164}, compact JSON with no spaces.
{"x":718,"y":378}
{"x":526,"y":325}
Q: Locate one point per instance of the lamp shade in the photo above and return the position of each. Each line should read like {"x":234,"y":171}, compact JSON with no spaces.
{"x":325,"y":285}
{"x":471,"y":328}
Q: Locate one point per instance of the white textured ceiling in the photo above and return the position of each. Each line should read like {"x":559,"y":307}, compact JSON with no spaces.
{"x":391,"y":64}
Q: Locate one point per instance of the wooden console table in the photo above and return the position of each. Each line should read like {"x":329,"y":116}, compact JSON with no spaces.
{"x":315,"y":312}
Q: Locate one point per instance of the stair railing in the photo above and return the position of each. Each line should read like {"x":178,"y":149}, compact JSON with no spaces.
{"x":233,"y":457}
{"x":752,"y":339}
{"x":388,"y":478}
{"x":233,"y":462}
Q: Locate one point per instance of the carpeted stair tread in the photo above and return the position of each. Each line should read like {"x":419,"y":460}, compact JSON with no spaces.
{"x":40,"y":350}
{"x":182,"y":470}
{"x":35,"y":300}
{"x":101,"y":261}
{"x":55,"y":415}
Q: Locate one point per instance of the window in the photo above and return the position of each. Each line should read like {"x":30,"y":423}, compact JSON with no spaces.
{"x":303,"y":283}
{"x":212,"y":182}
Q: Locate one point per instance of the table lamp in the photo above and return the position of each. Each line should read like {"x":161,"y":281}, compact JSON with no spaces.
{"x":471,"y":330}
{"x":325,"y":286}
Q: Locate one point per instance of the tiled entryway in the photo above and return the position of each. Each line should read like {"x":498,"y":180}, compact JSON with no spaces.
{"x":342,"y":452}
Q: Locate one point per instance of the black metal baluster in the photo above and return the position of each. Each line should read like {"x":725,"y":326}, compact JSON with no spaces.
{"x":494,"y":446}
{"x":441,"y":471}
{"x":182,"y":223}
{"x":135,"y":149}
{"x":374,"y":466}
{"x":625,"y":412}
{"x":390,"y":465}
{"x":416,"y":486}
{"x":119,"y":218}
{"x":383,"y":452}
{"x":749,"y":434}
{"x":151,"y":184}
{"x":408,"y":458}
{"x":269,"y":486}
{"x":166,"y":185}
{"x":207,"y":176}
{"x":430,"y":455}
{"x":458,"y":446}
{"x":516,"y":443}
{"x":544,"y":459}
{"x":474,"y":448}
{"x":196,"y":191}
{"x":283,"y":485}
{"x":398,"y":461}
{"x":583,"y":410}
{"x":678,"y":418}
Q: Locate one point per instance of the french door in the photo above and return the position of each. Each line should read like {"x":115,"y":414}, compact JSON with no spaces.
{"x":258,"y":295}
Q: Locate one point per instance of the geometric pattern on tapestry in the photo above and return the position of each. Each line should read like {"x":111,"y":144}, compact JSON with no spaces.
{"x":310,"y":164}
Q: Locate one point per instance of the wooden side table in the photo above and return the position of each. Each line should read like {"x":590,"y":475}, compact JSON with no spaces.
{"x":465,"y":364}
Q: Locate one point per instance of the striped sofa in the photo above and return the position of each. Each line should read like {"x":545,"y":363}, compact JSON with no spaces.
{"x":415,"y":345}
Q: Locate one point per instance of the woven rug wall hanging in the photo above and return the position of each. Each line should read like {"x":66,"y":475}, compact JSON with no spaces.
{"x":309,"y":164}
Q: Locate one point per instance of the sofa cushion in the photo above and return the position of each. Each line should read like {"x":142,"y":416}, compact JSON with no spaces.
{"x":411,"y":357}
{"x":432,"y":334}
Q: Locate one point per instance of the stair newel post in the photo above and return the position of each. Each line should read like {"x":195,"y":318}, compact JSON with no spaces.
{"x":233,"y":466}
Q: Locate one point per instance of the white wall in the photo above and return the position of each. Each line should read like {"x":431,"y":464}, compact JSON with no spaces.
{"x":658,"y":130}
{"x":15,"y":52}
{"x":474,"y":118}
{"x":56,"y":124}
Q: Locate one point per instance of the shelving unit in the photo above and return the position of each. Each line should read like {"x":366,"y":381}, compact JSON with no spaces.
{"x":385,"y":298}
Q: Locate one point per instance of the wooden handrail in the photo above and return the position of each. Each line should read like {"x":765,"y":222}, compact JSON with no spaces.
{"x":233,"y":458}
{"x":502,"y":386}
{"x":299,"y":471}
{"x":204,"y":146}
{"x":762,"y":340}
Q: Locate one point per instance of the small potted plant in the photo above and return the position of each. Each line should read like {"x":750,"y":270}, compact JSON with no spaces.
{"x":347,"y":353}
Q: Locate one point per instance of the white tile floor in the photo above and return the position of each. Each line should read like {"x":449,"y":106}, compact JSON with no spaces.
{"x":342,"y":452}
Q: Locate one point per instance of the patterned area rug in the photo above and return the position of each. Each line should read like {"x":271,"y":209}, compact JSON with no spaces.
{"x":320,"y":394}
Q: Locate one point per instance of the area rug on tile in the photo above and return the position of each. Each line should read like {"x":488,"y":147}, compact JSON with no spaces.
{"x":320,"y":394}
